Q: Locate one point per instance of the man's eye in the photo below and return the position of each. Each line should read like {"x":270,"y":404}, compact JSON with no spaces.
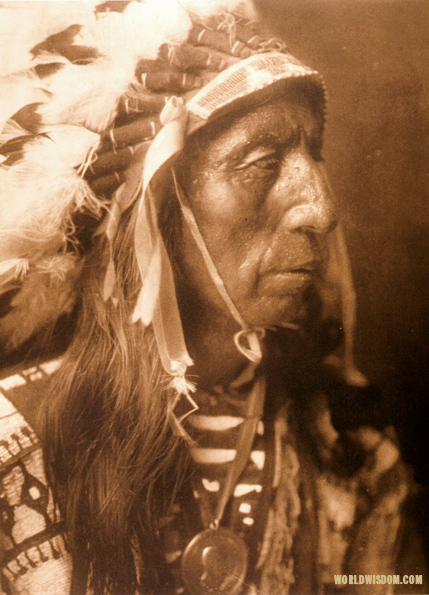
{"x":268,"y":164}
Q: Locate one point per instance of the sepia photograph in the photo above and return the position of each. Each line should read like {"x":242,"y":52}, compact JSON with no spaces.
{"x":214,"y":279}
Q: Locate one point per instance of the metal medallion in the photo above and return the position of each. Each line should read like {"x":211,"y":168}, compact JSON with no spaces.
{"x":215,"y":563}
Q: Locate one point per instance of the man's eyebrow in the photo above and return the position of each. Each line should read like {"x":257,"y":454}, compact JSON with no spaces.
{"x":288,"y":135}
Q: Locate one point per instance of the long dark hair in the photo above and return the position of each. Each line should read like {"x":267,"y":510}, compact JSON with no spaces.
{"x":111,"y":454}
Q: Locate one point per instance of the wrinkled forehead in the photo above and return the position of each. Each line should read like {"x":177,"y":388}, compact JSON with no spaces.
{"x":271,"y":116}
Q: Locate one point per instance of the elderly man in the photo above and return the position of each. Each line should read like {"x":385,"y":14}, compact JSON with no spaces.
{"x":196,"y":436}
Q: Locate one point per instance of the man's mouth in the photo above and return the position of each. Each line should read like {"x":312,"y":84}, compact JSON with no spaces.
{"x":289,"y":280}
{"x":311,"y":266}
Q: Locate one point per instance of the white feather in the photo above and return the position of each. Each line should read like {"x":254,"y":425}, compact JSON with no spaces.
{"x":142,"y":28}
{"x":86,"y":96}
{"x":89,"y":95}
{"x":93,"y":91}
{"x":206,"y":8}
{"x":16,"y":92}
{"x":11,"y":130}
{"x":12,"y":270}
{"x":71,"y":145}
{"x":48,"y":291}
{"x":25,"y":24}
{"x":39,"y":192}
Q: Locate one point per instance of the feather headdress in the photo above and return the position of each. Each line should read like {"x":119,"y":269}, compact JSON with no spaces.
{"x":67,"y":71}
{"x":109,"y":76}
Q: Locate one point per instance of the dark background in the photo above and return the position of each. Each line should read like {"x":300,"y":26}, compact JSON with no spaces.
{"x":374,"y":56}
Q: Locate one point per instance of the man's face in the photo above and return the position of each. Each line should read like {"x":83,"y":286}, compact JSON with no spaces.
{"x":263,"y":208}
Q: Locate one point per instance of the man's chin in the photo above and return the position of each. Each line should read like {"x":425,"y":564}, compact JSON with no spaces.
{"x":278,"y":312}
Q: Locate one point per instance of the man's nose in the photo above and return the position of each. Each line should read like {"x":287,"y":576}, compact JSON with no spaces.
{"x":306,"y":195}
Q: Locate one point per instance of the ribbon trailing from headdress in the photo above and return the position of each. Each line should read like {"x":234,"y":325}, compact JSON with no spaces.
{"x":157,"y":302}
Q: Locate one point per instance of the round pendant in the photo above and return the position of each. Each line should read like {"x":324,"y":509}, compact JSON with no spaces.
{"x":215,"y":563}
